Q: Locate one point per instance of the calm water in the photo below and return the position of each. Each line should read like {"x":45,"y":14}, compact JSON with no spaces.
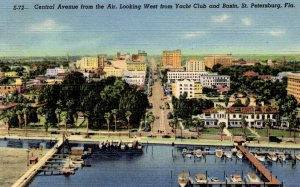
{"x":155,"y":167}
{"x":13,"y":143}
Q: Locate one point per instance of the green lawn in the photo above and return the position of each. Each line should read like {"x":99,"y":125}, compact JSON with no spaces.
{"x":214,"y":131}
{"x":240,"y":131}
{"x":276,"y":132}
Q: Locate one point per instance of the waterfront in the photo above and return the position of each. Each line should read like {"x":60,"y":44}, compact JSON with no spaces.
{"x":156,"y":167}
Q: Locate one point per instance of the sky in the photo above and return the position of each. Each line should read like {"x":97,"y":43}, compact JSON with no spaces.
{"x":195,"y":31}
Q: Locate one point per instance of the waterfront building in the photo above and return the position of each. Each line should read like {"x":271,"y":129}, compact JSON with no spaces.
{"x":191,"y":88}
{"x":11,"y":74}
{"x":171,"y":59}
{"x":255,"y":116}
{"x":224,"y":60}
{"x":52,"y":72}
{"x":195,"y":66}
{"x":112,"y":71}
{"x":293,"y":87}
{"x":136,"y":66}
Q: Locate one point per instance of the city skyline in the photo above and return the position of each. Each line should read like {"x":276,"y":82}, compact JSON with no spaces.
{"x":195,"y":31}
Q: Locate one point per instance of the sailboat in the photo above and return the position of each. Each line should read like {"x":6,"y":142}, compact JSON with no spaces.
{"x":219,"y":153}
{"x":239,"y":154}
{"x":228,"y":154}
{"x":198,"y":153}
{"x":253,"y":177}
{"x":183,"y":179}
{"x":260,"y":156}
{"x":272,"y":156}
{"x":281,"y":156}
{"x":200,"y":178}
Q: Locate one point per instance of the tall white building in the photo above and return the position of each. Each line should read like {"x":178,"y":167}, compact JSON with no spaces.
{"x":135,"y":77}
{"x":181,"y":75}
{"x":210,"y":81}
{"x":191,"y":88}
{"x":52,"y":72}
{"x":195,"y":66}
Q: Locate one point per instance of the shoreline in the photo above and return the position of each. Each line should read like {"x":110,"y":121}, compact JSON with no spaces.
{"x":161,"y":141}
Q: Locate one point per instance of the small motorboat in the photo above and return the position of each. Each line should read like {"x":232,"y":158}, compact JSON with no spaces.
{"x":228,"y":154}
{"x":214,"y":179}
{"x":122,"y":146}
{"x":198,"y":153}
{"x":281,"y":156}
{"x":67,"y":171}
{"x":239,"y":154}
{"x":252,"y":177}
{"x":188,"y":154}
{"x":184,"y":151}
{"x":272,"y":156}
{"x":261,"y":157}
{"x":236,"y":178}
{"x":130,"y":145}
{"x":297,"y":156}
{"x":234,"y":150}
{"x":183,"y":179}
{"x":100,"y":145}
{"x":200,"y":178}
{"x":219,"y":153}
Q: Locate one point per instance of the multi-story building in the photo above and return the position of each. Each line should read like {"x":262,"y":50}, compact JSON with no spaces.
{"x":89,"y":63}
{"x":181,"y":75}
{"x":136,"y":66}
{"x":191,"y":88}
{"x":135,"y":77}
{"x":119,"y":56}
{"x":141,"y":56}
{"x":11,"y":74}
{"x":120,"y":64}
{"x":18,"y":86}
{"x":224,"y":60}
{"x":293,"y":87}
{"x":195,"y":66}
{"x":52,"y":72}
{"x":280,"y":76}
{"x":255,"y":116}
{"x":171,"y":59}
{"x":212,"y":81}
{"x":112,"y":71}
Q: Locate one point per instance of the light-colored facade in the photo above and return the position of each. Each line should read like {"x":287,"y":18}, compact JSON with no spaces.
{"x":121,"y":64}
{"x":88,"y":64}
{"x":52,"y":72}
{"x":191,"y":88}
{"x":136,"y":66}
{"x":224,"y":60}
{"x":255,"y":116}
{"x":113,"y":72}
{"x":173,"y":76}
{"x":195,"y":66}
{"x":141,"y":56}
{"x":11,"y":74}
{"x":211,"y":81}
{"x":293,"y":87}
{"x":171,"y":59}
{"x":135,"y":77}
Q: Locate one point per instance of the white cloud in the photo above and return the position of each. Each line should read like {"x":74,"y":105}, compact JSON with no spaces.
{"x":49,"y":25}
{"x":276,"y":32}
{"x":195,"y":34}
{"x":221,"y":18}
{"x":247,"y":21}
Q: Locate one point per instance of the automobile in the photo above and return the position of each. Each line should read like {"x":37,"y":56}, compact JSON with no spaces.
{"x":147,"y":129}
{"x":166,"y":136}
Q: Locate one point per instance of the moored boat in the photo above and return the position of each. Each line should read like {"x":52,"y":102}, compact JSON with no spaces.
{"x":198,"y":153}
{"x":228,"y":154}
{"x":239,"y":154}
{"x":219,"y":153}
{"x":281,"y":156}
{"x":261,"y":157}
{"x":183,"y":178}
{"x":252,"y":177}
{"x":272,"y":156}
{"x":199,"y":177}
{"x":236,"y":178}
{"x":234,"y":150}
{"x":67,"y":171}
{"x":130,"y":145}
{"x":297,"y":156}
{"x":214,"y":179}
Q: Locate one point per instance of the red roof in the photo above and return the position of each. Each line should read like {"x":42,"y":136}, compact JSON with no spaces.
{"x":250,"y":74}
{"x":5,"y":107}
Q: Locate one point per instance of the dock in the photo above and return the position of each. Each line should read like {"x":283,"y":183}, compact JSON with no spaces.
{"x":25,"y":179}
{"x":271,"y":180}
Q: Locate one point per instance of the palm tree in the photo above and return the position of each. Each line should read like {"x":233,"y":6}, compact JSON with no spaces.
{"x":58,"y":112}
{"x":222,"y":127}
{"x":75,"y":116}
{"x":6,"y":122}
{"x":268,"y":124}
{"x":244,"y":125}
{"x":39,"y":113}
{"x":25,"y":113}
{"x":114,"y":113}
{"x":87,"y":114}
{"x":151,"y":119}
{"x":19,"y":114}
{"x":198,"y":123}
{"x":128,"y":114}
{"x":107,"y":118}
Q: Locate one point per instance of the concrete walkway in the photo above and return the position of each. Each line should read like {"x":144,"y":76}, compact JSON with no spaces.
{"x":226,"y":131}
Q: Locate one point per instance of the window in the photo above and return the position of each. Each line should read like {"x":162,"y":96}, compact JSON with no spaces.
{"x":234,"y":116}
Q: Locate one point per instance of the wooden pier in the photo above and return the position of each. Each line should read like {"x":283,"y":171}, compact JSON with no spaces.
{"x":271,"y":180}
